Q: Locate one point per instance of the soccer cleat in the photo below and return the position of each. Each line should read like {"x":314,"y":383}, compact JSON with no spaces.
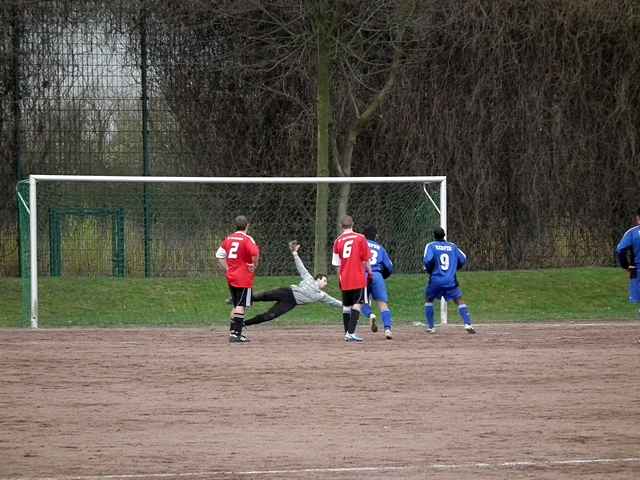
{"x":430,"y":330}
{"x":469,"y":329}
{"x":235,"y":338}
{"x":372,"y":323}
{"x":352,"y":337}
{"x":387,"y":334}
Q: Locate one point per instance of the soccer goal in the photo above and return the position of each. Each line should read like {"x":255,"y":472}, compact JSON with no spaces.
{"x":126,"y":250}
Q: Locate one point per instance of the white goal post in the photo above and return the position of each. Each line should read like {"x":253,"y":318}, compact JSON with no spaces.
{"x":31,"y":206}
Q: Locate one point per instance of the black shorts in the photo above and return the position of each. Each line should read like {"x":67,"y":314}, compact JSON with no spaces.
{"x":240,"y":297}
{"x":353,"y":297}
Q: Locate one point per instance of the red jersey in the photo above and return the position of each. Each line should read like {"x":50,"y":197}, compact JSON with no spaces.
{"x":239,"y":249}
{"x":350,"y":251}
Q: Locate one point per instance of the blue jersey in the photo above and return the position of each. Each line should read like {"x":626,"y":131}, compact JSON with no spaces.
{"x":442,"y":260}
{"x":630,"y":242}
{"x":380,"y":261}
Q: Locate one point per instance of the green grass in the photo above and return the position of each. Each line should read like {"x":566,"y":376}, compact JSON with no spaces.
{"x":514,"y":296}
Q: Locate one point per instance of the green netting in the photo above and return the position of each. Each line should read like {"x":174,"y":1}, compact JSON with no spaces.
{"x":108,"y":223}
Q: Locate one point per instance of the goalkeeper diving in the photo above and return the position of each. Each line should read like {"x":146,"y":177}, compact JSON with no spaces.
{"x":309,"y":290}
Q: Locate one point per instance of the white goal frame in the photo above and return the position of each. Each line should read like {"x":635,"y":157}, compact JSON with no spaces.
{"x":33,"y":205}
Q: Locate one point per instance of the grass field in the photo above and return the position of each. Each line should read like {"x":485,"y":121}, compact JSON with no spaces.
{"x":513,"y":296}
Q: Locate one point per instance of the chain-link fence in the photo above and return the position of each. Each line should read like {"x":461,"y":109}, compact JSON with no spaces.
{"x":538,"y":139}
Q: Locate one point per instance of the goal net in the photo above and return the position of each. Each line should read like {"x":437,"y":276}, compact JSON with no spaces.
{"x":141,"y":250}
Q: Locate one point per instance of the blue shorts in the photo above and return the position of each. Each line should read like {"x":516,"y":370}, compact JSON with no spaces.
{"x":634,"y":290}
{"x":377,"y":288}
{"x":433,"y":292}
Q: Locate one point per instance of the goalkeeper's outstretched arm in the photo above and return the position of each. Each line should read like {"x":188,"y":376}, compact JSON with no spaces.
{"x":294,"y":246}
{"x":331,"y":301}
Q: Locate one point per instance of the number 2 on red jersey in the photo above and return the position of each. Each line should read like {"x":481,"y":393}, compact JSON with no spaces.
{"x":233,"y":251}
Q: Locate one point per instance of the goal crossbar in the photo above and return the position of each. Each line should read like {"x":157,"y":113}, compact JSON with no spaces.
{"x":290,"y":180}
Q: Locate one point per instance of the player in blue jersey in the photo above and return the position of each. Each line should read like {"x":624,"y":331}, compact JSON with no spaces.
{"x":442,"y":260}
{"x":628,"y":253}
{"x":381,"y":268}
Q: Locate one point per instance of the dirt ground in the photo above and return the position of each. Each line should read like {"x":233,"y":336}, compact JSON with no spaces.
{"x":542,"y":401}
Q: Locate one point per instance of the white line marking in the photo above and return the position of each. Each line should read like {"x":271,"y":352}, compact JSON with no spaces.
{"x":214,"y":474}
{"x":548,"y":463}
{"x":433,"y":466}
{"x":538,"y":324}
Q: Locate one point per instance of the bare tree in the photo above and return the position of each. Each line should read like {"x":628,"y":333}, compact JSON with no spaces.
{"x":333,"y":60}
{"x":368,"y":64}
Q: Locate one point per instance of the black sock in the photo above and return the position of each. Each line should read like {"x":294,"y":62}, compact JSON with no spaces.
{"x":353,"y":320}
{"x":345,"y":321}
{"x":236,"y":325}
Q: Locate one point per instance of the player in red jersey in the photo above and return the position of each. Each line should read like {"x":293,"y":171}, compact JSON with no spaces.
{"x":238,"y":256}
{"x":351,"y":254}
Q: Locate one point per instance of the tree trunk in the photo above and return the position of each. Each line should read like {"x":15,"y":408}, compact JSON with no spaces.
{"x":344,"y":163}
{"x":322,"y":154}
{"x":343,"y":204}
